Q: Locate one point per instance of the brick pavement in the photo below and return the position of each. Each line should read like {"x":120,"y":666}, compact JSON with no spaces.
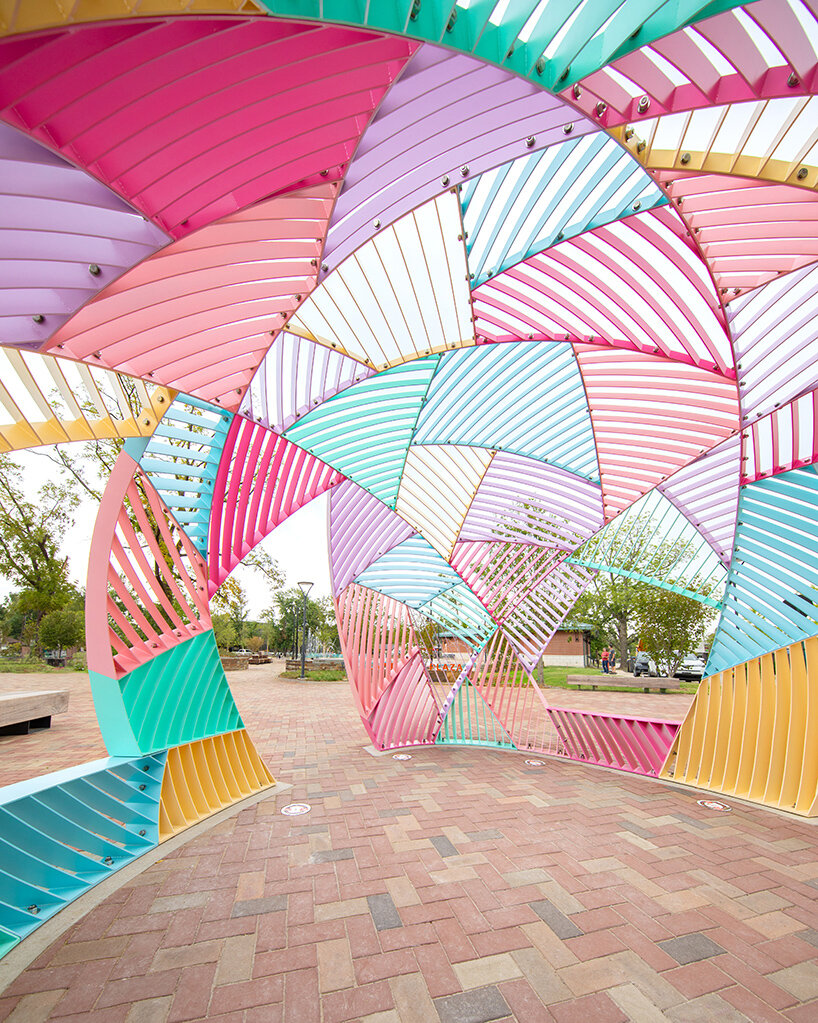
{"x":461,"y":885}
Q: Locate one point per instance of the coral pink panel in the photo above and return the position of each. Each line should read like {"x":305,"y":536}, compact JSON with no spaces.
{"x":146,"y":581}
{"x":638,"y":745}
{"x":199,"y":314}
{"x":262,"y":479}
{"x":377,"y":640}
{"x":193,"y":118}
{"x":651,"y":418}
{"x":406,"y":714}
{"x":748,"y":231}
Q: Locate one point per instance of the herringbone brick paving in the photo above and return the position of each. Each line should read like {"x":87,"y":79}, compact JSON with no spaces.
{"x":461,"y":885}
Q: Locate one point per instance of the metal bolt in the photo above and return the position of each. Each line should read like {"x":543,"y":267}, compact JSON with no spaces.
{"x":376,"y":224}
{"x":793,"y":80}
{"x":641,"y":147}
{"x":577,"y":90}
{"x":415,"y":10}
{"x":643,"y":104}
{"x":313,"y":262}
{"x":444,"y":180}
{"x":324,"y":173}
{"x":146,"y":767}
{"x":142,"y":787}
{"x":685,"y":158}
{"x":142,"y":832}
{"x":324,"y":267}
{"x":568,"y":128}
{"x":539,"y":67}
{"x":97,"y":355}
{"x":451,"y":21}
{"x":628,"y":134}
{"x":637,"y":205}
{"x":94,"y":270}
{"x":464,"y":170}
{"x":601,"y":108}
{"x":33,"y":908}
{"x":565,"y":74}
{"x":108,"y":861}
{"x":38,"y":318}
{"x":530,"y":141}
{"x":802,"y":173}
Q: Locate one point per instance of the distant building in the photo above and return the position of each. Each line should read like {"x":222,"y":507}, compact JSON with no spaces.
{"x":569,"y":645}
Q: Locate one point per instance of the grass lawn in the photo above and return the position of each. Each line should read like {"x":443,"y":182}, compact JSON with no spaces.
{"x":29,"y":667}
{"x":318,"y":674}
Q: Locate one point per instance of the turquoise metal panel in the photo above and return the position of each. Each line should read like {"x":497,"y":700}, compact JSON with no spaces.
{"x":772,"y":588}
{"x":365,"y":431}
{"x":471,"y":722}
{"x":521,"y":397}
{"x":62,"y":833}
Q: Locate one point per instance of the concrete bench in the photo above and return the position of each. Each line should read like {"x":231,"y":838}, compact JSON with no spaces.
{"x":20,"y":712}
{"x":643,"y":682}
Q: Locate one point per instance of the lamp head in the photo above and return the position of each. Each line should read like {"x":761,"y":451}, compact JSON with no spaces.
{"x":305,"y":587}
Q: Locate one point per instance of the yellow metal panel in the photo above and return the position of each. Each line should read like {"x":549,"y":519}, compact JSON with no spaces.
{"x":752,"y":732}
{"x":205,"y":776}
{"x":29,"y":15}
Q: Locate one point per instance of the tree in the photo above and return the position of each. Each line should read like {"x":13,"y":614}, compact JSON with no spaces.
{"x":670,"y":625}
{"x":608,"y":606}
{"x":30,"y":539}
{"x":231,"y":600}
{"x":254,"y":644}
{"x":62,"y":628}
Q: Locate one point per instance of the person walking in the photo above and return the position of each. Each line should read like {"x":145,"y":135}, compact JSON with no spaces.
{"x":604,"y":657}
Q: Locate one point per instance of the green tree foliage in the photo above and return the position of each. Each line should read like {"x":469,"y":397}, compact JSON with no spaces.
{"x":31,"y":534}
{"x":62,"y":628}
{"x":230,"y":600}
{"x":670,"y":625}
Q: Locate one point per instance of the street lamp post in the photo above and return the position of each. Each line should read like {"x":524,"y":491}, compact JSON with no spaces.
{"x":305,"y":589}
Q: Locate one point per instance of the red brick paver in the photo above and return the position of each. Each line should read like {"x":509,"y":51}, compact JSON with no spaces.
{"x":265,"y":917}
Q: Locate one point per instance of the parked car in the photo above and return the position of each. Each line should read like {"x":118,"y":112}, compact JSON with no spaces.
{"x":692,"y":667}
{"x":644,"y":664}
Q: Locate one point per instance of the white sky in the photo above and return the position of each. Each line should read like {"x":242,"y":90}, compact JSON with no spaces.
{"x":299,"y":544}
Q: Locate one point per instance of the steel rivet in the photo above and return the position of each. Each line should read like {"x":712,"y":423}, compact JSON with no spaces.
{"x":94,"y":270}
{"x":142,"y":832}
{"x":376,"y":223}
{"x":33,"y":908}
{"x":539,"y":67}
{"x":802,"y":173}
{"x":641,"y":146}
{"x":38,"y":318}
{"x":637,"y":205}
{"x":685,"y":158}
{"x":643,"y":104}
{"x":444,"y":180}
{"x":601,"y":108}
{"x":108,"y":860}
{"x":568,"y":128}
{"x":464,"y":170}
{"x":530,"y":141}
{"x":793,"y":80}
{"x":142,"y":787}
{"x":577,"y":90}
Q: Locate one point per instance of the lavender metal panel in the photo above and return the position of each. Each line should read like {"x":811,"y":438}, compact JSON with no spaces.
{"x":362,"y":529}
{"x":526,"y":500}
{"x":446,"y":112}
{"x":63,"y":237}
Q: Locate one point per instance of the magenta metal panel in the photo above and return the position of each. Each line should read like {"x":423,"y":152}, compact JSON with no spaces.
{"x":634,"y":744}
{"x":193,"y":118}
{"x":406,"y":714}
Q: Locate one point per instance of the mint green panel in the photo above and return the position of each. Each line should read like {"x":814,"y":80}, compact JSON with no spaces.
{"x":365,"y":431}
{"x":471,"y":722}
{"x":579,"y":37}
{"x":7,"y":941}
{"x":179,"y":696}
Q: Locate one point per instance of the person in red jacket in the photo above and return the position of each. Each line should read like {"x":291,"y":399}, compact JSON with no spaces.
{"x":605,"y":657}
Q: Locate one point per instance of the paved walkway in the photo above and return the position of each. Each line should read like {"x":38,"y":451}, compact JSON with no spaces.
{"x":459,"y":886}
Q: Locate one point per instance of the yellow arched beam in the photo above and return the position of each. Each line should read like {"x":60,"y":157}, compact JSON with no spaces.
{"x":48,"y":400}
{"x":18,"y":16}
{"x":799,"y":173}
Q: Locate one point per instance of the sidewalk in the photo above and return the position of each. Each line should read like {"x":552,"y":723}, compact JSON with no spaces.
{"x":461,"y":885}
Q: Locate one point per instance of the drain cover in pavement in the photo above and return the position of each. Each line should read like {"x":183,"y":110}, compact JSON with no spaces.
{"x":401,"y":756}
{"x":535,"y":763}
{"x":295,"y":809}
{"x":713,"y":804}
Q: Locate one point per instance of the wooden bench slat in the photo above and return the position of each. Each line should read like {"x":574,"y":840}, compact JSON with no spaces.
{"x":20,"y":708}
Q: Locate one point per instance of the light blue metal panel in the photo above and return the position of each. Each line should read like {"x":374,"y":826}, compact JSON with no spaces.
{"x":413,"y":572}
{"x":526,"y":397}
{"x":531,"y":203}
{"x":181,"y":460}
{"x":62,"y":833}
{"x":772,"y":588}
{"x":458,"y":611}
{"x":364,"y":432}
